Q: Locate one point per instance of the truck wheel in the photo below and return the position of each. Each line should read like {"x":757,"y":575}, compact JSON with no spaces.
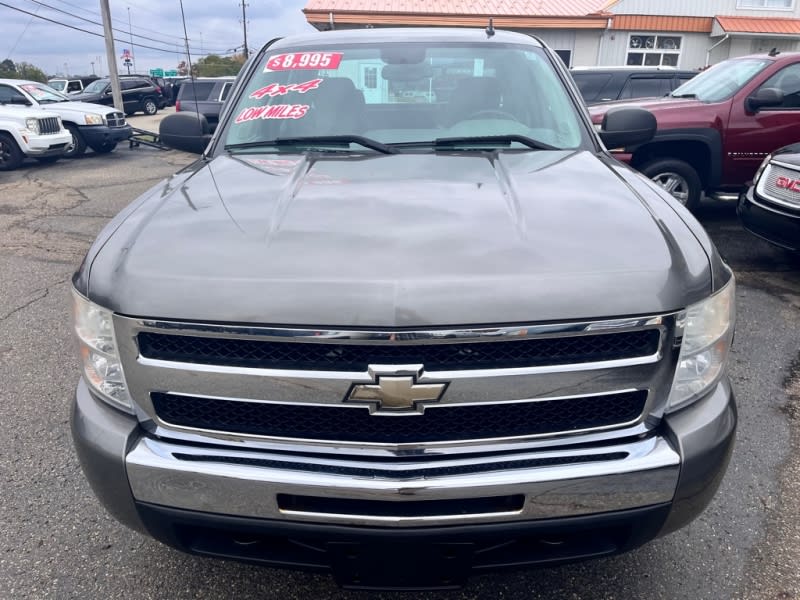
{"x":149,"y":106}
{"x":677,"y":177}
{"x":10,"y":154}
{"x":78,"y":145}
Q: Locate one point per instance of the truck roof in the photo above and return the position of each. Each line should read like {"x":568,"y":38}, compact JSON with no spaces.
{"x":397,"y":34}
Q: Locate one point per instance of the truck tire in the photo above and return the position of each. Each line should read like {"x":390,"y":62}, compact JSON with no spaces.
{"x":10,"y":154}
{"x":78,"y":144}
{"x":677,"y":177}
{"x":149,"y":106}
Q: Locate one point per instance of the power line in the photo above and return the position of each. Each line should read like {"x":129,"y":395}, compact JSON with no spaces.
{"x":144,"y":37}
{"x":170,"y":51}
{"x":96,"y":14}
{"x":24,"y":31}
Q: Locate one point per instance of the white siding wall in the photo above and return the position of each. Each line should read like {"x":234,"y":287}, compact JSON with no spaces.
{"x":693,"y":48}
{"x":557,"y":39}
{"x":696,"y":8}
{"x":765,"y":44}
{"x":742,"y":46}
{"x":587,"y":43}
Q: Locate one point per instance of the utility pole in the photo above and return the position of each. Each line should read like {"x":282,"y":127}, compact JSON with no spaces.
{"x":130,"y":34}
{"x":111,"y":55}
{"x":244,"y":24}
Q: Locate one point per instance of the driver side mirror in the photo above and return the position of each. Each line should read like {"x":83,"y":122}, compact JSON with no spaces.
{"x":626,"y":126}
{"x":187,"y":131}
{"x":764,"y":98}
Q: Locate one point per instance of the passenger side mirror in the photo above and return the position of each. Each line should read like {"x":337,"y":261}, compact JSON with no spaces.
{"x":187,"y":131}
{"x":626,"y":126}
{"x":764,"y":98}
{"x":19,"y":100}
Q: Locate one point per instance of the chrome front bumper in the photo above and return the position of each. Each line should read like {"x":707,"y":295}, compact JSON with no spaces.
{"x":682,"y":465}
{"x":170,"y":475}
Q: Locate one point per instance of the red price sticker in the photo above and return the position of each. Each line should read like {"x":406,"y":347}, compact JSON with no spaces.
{"x":303,"y":60}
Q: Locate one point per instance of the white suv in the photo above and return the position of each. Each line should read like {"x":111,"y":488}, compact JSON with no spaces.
{"x":28,"y":131}
{"x":99,"y":127}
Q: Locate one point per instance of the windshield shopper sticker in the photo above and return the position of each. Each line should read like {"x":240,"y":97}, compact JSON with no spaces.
{"x":34,"y":91}
{"x":276,"y":89}
{"x":303,"y":60}
{"x":276,"y":111}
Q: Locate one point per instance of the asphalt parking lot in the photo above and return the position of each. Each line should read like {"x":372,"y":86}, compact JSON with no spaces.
{"x":57,"y":541}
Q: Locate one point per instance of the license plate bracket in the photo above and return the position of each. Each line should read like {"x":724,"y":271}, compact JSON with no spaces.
{"x":401,"y":566}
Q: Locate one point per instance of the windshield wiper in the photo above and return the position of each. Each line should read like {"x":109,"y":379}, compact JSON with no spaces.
{"x":480,"y":140}
{"x":333,"y":140}
{"x":683,"y":95}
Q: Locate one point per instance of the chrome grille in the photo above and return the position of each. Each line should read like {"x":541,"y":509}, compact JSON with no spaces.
{"x":115,"y":119}
{"x":293,"y":388}
{"x":506,"y":354}
{"x":436,"y":424}
{"x":49,"y":125}
{"x":777,"y":185}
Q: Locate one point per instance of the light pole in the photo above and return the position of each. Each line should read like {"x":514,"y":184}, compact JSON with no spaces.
{"x":130,"y":34}
{"x":92,"y":63}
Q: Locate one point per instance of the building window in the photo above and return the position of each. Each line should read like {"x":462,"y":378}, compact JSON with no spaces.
{"x":565,"y":56}
{"x":654,"y":50}
{"x":371,"y":77}
{"x":766,"y":4}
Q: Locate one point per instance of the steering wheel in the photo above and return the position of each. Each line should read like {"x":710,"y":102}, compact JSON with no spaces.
{"x":491,"y":112}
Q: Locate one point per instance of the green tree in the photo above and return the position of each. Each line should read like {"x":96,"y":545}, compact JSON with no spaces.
{"x":8,"y":70}
{"x":217,"y":66}
{"x":21,"y":70}
{"x":28,"y":71}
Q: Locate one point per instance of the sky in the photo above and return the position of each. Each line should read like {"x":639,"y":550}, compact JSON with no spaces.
{"x":213,"y":26}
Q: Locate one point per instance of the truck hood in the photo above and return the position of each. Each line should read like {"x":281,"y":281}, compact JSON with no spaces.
{"x":86,"y":97}
{"x":656,"y":106}
{"x":76,"y":109}
{"x":400,"y":241}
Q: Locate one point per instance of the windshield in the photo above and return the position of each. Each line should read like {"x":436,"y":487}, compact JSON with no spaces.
{"x":401,"y":93}
{"x":43,"y":94}
{"x":58,"y":84}
{"x":96,"y":86}
{"x":722,"y":80}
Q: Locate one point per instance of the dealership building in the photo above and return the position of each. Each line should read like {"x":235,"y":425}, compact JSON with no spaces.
{"x":688,"y":34}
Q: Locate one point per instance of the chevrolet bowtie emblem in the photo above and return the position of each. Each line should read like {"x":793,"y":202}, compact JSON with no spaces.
{"x":396,"y":390}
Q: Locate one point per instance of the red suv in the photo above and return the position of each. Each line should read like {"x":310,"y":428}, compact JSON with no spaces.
{"x":715,"y":130}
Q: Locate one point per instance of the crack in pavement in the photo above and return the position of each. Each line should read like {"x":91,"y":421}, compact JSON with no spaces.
{"x":43,"y":293}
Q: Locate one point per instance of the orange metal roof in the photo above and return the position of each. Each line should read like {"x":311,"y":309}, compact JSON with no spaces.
{"x":461,"y":8}
{"x":662,"y":23}
{"x":759,"y":25}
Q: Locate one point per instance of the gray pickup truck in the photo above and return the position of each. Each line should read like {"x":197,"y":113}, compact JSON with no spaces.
{"x":401,"y":341}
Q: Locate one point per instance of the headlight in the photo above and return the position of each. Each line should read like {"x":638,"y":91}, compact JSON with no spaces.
{"x":707,"y":336}
{"x":94,"y":119}
{"x":98,"y":350}
{"x":32,"y":125}
{"x":761,"y":168}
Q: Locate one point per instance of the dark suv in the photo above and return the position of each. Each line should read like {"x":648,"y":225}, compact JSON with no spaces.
{"x":603,"y":84}
{"x":770,"y":209}
{"x":138,"y":94}
{"x":205,"y":96}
